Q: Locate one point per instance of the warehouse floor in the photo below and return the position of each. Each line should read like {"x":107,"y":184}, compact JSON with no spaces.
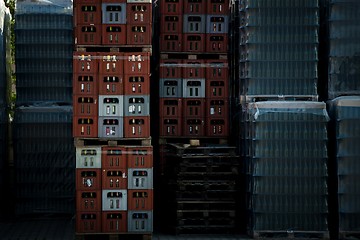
{"x":63,"y":229}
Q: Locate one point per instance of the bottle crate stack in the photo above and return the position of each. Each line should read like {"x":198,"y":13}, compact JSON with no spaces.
{"x":345,"y":132}
{"x":111,"y":123}
{"x":44,"y":155}
{"x":194,"y":106}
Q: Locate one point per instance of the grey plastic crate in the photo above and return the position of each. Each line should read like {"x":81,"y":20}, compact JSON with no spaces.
{"x":171,"y":88}
{"x":217,"y":24}
{"x":113,"y":13}
{"x":140,"y":221}
{"x":111,"y":106}
{"x":194,"y":23}
{"x":193,"y":88}
{"x":137,"y":105}
{"x":114,"y":200}
{"x":140,"y":178}
{"x":88,"y":157}
{"x":110,"y":127}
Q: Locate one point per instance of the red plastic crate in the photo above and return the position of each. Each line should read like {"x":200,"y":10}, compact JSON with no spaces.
{"x":138,"y":13}
{"x":195,"y":6}
{"x":171,"y":68}
{"x":88,"y":222}
{"x":194,"y":108}
{"x":85,"y":106}
{"x":220,"y":7}
{"x":194,"y":42}
{"x":171,"y":42}
{"x":140,"y":157}
{"x":217,"y":69}
{"x":88,"y":34}
{"x":170,"y":107}
{"x":85,"y":127}
{"x":170,"y":127}
{"x":217,"y":43}
{"x":171,"y":24}
{"x":114,"y":222}
{"x":137,"y":63}
{"x":111,"y":63}
{"x":137,"y":127}
{"x":137,"y":84}
{"x":85,"y":84}
{"x":138,"y":34}
{"x":87,"y":13}
{"x":114,"y":178}
{"x":113,"y":34}
{"x":217,"y":108}
{"x":217,"y":88}
{"x":194,"y":69}
{"x":194,"y":127}
{"x":111,"y":84}
{"x":216,"y":127}
{"x":141,"y":200}
{"x":88,"y":201}
{"x":114,"y":158}
{"x":173,"y":7}
{"x":85,"y":63}
{"x":88,"y":179}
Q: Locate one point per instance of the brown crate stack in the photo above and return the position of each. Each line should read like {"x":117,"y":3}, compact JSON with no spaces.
{"x":194,"y":108}
{"x":111,"y":123}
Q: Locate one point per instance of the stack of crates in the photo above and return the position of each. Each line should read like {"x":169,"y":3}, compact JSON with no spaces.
{"x":111,"y":123}
{"x":44,"y":156}
{"x":278,"y":52}
{"x":344,"y":58}
{"x":285,"y":152}
{"x":193,"y":84}
{"x":345,"y":114}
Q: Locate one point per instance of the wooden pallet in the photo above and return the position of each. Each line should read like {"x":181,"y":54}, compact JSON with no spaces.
{"x":199,"y":186}
{"x":82,"y":142}
{"x":112,"y":236}
{"x":193,"y":56}
{"x":206,"y":195}
{"x":117,"y":48}
{"x":183,"y":150}
{"x":290,"y":234}
{"x":205,"y":214}
{"x":193,"y":141}
{"x":180,"y":230}
{"x":204,"y":205}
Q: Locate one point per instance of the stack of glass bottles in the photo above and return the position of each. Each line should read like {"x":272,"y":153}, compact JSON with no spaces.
{"x":345,"y":115}
{"x":278,"y":47}
{"x":44,"y":159}
{"x":44,"y":155}
{"x":285,"y":147}
{"x":344,"y":56}
{"x":43,"y":52}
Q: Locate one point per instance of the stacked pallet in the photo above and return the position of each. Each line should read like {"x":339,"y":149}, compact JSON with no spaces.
{"x":43,"y":146}
{"x":285,"y":150}
{"x":283,"y":129}
{"x":345,"y":113}
{"x":4,"y":71}
{"x":111,"y":124}
{"x":344,"y":59}
{"x":203,"y":187}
